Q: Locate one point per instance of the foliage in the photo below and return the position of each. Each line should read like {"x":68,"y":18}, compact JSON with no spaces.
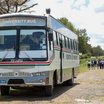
{"x":67,"y":24}
{"x":12,"y":6}
{"x":86,"y":49}
{"x":97,"y":51}
{"x":83,"y":65}
{"x":85,"y":56}
{"x":83,"y":39}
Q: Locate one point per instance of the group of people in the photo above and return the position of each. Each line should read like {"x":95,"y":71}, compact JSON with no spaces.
{"x":95,"y":64}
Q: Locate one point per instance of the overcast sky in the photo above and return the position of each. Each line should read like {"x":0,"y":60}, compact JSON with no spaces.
{"x":88,"y":14}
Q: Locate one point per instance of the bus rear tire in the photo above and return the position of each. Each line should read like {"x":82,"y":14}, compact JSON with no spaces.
{"x":4,"y":90}
{"x":48,"y":90}
{"x":69,"y":82}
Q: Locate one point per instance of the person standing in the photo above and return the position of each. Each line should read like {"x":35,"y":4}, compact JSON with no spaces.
{"x":89,"y":64}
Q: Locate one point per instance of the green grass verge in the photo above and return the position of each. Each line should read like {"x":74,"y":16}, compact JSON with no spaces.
{"x":83,"y":65}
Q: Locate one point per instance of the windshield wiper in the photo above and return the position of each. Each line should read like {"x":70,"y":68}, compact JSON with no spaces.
{"x":28,"y":56}
{"x":4,"y":56}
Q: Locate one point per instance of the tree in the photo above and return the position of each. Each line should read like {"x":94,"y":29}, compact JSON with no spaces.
{"x":97,"y":51}
{"x":67,"y":24}
{"x":83,"y":41}
{"x":82,"y":35}
{"x":13,"y":6}
{"x":84,"y":48}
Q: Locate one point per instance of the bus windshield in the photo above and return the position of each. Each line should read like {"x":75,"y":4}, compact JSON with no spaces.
{"x":7,"y":43}
{"x":31,"y":43}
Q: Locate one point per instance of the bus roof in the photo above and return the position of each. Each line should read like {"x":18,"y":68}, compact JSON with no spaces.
{"x":20,"y":14}
{"x":59,"y":27}
{"x":51,"y":23}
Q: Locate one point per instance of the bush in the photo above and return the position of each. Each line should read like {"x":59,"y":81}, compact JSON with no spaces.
{"x":84,"y":56}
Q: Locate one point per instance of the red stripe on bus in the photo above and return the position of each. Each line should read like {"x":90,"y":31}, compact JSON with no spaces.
{"x":30,"y":63}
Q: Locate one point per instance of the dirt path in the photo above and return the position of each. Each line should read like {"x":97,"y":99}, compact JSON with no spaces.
{"x":88,"y":89}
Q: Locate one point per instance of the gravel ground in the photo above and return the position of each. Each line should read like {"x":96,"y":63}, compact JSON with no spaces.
{"x":88,"y":89}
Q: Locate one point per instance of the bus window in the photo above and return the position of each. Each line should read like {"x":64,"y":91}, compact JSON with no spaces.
{"x":7,"y":39}
{"x":58,"y":38}
{"x":32,"y":40}
{"x":32,"y":43}
{"x":63,"y":41}
{"x":57,"y":43}
{"x":65,"y":44}
{"x":74,"y":45}
{"x":7,"y":44}
{"x":50,"y":38}
{"x":69,"y":43}
{"x":54,"y":36}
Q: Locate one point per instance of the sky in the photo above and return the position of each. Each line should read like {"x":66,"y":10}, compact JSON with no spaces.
{"x":83,"y":14}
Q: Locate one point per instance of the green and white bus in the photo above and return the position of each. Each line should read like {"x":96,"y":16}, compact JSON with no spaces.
{"x":36,"y":51}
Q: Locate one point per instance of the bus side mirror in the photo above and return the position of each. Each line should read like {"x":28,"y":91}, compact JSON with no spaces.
{"x":50,"y":36}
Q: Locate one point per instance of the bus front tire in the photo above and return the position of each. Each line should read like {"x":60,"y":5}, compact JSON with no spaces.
{"x":4,"y":90}
{"x":49,"y":90}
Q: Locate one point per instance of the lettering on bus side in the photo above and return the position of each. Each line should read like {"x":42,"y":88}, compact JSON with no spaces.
{"x":68,"y":56}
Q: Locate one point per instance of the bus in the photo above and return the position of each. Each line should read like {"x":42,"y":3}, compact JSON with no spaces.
{"x":36,"y":51}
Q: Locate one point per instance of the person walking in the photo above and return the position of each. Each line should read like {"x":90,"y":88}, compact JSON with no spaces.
{"x":89,"y":64}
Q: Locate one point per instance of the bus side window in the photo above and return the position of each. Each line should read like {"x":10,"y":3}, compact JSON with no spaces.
{"x":68,"y":43}
{"x":75,"y":45}
{"x":57,"y":38}
{"x":54,"y":38}
{"x":71,"y":43}
{"x":66,"y":39}
{"x":63,"y":41}
{"x":50,"y":38}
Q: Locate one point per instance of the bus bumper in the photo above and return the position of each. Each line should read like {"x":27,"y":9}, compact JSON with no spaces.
{"x":24,"y":81}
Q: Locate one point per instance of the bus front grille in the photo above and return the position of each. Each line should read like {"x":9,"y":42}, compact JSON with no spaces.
{"x":15,"y":74}
{"x":16,"y":81}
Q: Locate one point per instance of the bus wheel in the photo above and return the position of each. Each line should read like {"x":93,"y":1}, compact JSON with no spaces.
{"x":5,"y":90}
{"x":49,"y":90}
{"x":69,"y":82}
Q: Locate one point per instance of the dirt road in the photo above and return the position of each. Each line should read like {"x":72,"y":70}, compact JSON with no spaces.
{"x":88,"y":89}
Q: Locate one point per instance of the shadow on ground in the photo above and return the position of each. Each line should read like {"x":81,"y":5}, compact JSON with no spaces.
{"x":36,"y":94}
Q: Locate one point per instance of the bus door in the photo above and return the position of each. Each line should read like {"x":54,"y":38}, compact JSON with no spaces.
{"x":60,"y":41}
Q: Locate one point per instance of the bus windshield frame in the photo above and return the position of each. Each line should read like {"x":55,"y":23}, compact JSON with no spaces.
{"x":23,"y":43}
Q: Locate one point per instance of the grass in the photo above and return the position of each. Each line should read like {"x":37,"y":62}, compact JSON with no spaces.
{"x":83,"y":65}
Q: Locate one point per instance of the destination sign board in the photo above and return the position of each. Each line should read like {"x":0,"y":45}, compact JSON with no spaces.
{"x":22,"y":21}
